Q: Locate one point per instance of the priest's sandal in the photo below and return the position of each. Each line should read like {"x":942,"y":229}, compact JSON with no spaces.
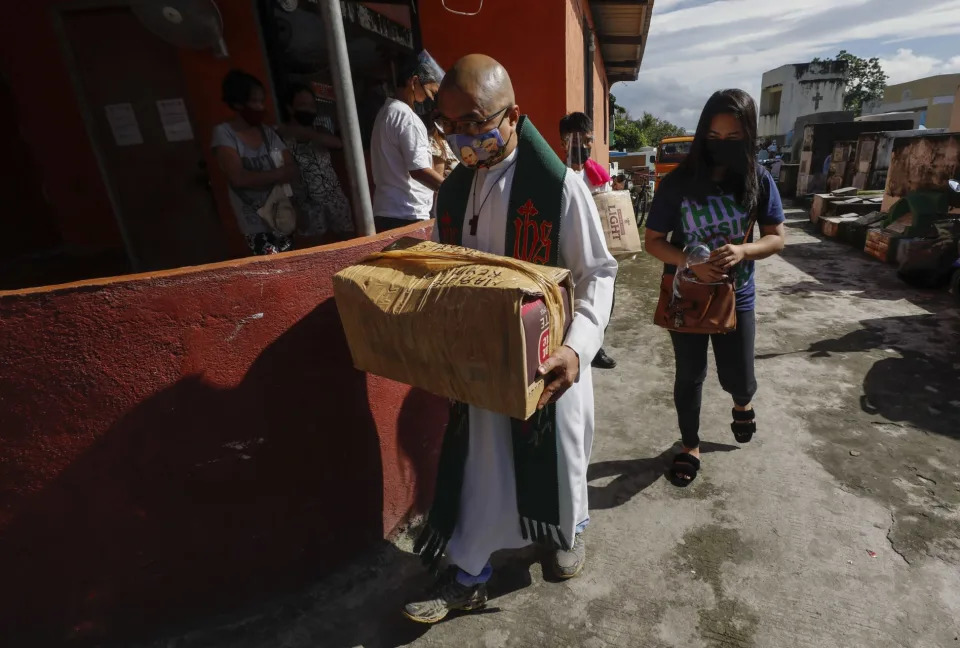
{"x":684,"y":470}
{"x":744,"y":425}
{"x":446,"y":596}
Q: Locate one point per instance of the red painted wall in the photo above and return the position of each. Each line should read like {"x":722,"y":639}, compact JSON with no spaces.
{"x":53,"y":129}
{"x":203,"y":74}
{"x":51,"y":126}
{"x":527,"y":38}
{"x":176,"y":443}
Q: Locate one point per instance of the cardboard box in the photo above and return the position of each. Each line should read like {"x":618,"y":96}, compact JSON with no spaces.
{"x":619,"y":223}
{"x":459,"y":323}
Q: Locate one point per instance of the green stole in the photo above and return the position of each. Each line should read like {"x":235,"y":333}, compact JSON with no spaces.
{"x":533,"y":235}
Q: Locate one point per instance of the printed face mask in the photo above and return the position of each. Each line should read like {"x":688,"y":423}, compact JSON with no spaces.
{"x":728,"y":153}
{"x":481,"y":150}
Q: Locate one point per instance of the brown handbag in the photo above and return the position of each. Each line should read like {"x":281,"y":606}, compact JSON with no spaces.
{"x":700,"y":307}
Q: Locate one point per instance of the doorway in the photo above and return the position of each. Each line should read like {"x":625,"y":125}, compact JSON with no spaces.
{"x":132,"y":88}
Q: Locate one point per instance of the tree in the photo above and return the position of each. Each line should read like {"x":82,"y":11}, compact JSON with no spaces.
{"x":866,"y":81}
{"x":631,"y":134}
{"x":655,"y":129}
{"x":627,"y":136}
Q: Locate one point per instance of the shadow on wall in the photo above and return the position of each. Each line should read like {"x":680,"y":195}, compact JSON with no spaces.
{"x":420,"y":426}
{"x":245,"y":490}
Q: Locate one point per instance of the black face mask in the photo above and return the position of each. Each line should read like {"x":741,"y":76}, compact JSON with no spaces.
{"x":584,"y":154}
{"x":731,"y":154}
{"x":425,"y":108}
{"x":304,"y":117}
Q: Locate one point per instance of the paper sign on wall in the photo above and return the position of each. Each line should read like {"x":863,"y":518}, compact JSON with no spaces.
{"x":123,"y":123}
{"x":175,"y":120}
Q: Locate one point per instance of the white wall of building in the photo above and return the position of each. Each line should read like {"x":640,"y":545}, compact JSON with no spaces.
{"x":804,"y":89}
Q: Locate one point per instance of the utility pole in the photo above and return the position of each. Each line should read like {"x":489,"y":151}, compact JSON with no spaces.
{"x":347,"y":113}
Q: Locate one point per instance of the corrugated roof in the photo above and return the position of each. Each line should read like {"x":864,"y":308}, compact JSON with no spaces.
{"x":622,"y":27}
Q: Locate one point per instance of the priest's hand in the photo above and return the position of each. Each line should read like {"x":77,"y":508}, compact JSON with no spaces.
{"x":559,"y":371}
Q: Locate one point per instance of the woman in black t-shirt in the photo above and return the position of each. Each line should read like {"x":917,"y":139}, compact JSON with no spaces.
{"x":706,"y":203}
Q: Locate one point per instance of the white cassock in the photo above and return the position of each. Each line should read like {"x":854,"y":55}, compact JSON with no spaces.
{"x":489,"y":520}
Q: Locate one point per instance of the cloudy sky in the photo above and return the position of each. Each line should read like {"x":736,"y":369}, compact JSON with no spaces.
{"x":698,"y":46}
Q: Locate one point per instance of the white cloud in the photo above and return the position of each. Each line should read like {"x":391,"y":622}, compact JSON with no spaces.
{"x":906,"y":66}
{"x":696,"y":47}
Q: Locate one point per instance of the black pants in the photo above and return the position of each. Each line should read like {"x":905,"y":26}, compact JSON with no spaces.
{"x":385,"y":223}
{"x":734,"y":353}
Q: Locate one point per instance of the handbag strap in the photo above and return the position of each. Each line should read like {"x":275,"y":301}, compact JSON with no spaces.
{"x":754,"y":214}
{"x":750,"y":225}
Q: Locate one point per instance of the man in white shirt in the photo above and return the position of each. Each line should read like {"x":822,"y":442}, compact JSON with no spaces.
{"x":576,"y":136}
{"x":400,"y":147}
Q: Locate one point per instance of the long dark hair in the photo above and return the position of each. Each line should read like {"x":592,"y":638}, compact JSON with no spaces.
{"x":695,"y":169}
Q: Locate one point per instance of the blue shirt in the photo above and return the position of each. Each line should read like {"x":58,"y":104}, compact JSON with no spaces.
{"x":719,"y":222}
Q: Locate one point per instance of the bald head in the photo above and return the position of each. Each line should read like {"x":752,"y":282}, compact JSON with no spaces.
{"x":483,"y":79}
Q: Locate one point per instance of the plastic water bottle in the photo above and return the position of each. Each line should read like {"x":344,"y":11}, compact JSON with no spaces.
{"x":696,"y":254}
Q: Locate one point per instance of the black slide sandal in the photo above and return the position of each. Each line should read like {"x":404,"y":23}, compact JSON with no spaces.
{"x":744,"y":425}
{"x":684,"y":469}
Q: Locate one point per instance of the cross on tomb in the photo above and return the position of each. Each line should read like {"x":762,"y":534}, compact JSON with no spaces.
{"x":816,"y":100}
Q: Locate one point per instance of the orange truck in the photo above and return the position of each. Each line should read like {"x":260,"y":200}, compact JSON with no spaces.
{"x":670,"y":153}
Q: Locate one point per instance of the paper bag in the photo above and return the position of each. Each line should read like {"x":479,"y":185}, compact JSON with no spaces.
{"x":619,"y":223}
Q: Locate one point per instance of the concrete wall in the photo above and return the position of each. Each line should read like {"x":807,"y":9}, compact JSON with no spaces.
{"x":601,"y":110}
{"x":954,"y":126}
{"x":540,"y":45}
{"x":800,"y":85}
{"x":932,"y":95}
{"x":874,"y":151}
{"x":576,"y":75}
{"x":527,"y":38}
{"x":176,"y":443}
{"x":818,"y":142}
{"x":923,"y":163}
{"x":52,"y":126}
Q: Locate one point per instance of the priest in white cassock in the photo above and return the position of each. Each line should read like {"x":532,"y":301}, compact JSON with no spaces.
{"x":504,"y":483}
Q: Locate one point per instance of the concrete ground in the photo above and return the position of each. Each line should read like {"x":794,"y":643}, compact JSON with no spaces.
{"x":839,"y":525}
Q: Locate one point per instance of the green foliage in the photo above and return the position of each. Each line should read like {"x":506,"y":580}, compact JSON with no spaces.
{"x":631,"y":134}
{"x":866,"y":80}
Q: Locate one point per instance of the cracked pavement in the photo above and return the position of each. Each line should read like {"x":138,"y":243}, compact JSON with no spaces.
{"x":838,"y":526}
